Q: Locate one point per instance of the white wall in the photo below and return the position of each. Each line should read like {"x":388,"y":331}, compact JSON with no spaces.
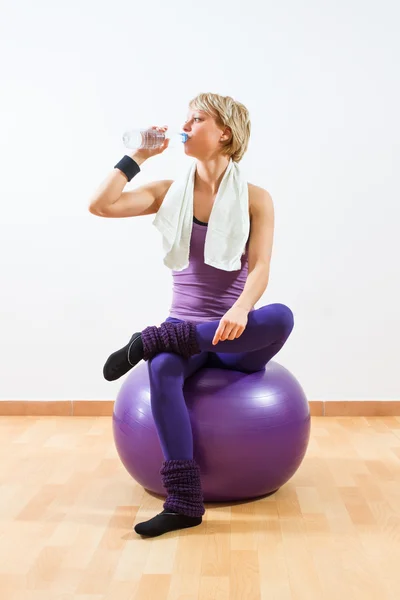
{"x":321,"y":82}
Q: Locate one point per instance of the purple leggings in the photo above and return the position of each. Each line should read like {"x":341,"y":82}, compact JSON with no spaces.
{"x":266,"y":332}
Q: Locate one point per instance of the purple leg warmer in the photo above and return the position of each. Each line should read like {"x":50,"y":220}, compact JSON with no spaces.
{"x":170,"y":337}
{"x":181,"y":479}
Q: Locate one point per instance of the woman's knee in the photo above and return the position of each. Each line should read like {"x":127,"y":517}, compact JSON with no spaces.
{"x":166,"y":363}
{"x":286,"y":318}
{"x":283,"y":317}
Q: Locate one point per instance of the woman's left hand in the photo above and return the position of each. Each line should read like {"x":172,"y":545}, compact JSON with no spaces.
{"x":232,"y":324}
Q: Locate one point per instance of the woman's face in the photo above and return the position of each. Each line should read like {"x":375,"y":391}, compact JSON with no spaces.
{"x":204,"y":135}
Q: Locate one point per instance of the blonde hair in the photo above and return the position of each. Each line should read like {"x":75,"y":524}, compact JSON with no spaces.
{"x":227,"y":112}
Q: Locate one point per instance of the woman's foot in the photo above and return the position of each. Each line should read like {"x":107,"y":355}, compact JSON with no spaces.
{"x":169,"y":337}
{"x":164,"y":522}
{"x":121,"y":361}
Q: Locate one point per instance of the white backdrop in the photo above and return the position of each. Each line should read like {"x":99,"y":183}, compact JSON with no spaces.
{"x":321,"y":82}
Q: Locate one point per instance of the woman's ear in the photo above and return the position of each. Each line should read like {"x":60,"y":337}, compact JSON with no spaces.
{"x":227,"y":135}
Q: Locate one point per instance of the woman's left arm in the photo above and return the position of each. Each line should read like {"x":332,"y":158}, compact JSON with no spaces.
{"x":233,"y":323}
{"x":260,"y":249}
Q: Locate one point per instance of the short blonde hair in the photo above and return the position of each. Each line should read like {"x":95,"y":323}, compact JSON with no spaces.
{"x":227,"y":112}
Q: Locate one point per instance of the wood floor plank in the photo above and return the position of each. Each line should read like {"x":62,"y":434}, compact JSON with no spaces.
{"x":68,"y":507}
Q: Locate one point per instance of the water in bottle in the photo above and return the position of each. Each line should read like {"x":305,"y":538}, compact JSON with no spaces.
{"x":138,"y":139}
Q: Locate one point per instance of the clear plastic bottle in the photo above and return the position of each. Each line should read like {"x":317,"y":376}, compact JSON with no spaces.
{"x":150,"y":138}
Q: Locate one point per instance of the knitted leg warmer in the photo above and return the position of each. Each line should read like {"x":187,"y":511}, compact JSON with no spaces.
{"x":170,"y":337}
{"x":181,"y":479}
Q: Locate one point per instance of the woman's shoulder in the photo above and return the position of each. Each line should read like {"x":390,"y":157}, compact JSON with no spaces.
{"x":258,"y":197}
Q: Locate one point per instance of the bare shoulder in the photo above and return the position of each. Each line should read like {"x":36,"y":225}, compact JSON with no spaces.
{"x":259,"y":199}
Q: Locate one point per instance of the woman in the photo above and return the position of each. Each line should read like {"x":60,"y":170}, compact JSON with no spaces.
{"x":212,"y":320}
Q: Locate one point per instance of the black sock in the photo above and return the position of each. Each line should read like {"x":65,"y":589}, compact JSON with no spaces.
{"x":166,"y":521}
{"x":120,"y":362}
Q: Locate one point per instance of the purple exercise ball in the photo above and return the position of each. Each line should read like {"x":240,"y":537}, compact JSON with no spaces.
{"x":250,"y":431}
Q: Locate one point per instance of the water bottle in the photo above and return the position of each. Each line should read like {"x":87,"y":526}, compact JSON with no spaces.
{"x":139,"y":139}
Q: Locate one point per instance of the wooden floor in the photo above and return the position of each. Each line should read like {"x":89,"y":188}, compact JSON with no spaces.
{"x":67,"y":507}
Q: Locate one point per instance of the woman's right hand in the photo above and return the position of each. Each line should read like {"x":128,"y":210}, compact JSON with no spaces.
{"x":146,"y":153}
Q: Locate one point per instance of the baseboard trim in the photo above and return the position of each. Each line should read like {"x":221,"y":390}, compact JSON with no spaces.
{"x":104,"y":408}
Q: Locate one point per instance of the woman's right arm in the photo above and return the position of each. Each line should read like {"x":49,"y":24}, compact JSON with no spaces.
{"x":111,"y":201}
{"x":145,"y":200}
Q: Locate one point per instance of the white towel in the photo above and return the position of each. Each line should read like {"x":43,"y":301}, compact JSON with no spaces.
{"x":228,"y":226}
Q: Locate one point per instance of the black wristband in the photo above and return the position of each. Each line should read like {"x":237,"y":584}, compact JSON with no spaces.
{"x":128,"y":166}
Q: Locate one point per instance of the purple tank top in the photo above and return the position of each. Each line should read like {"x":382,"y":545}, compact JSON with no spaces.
{"x":201,"y":292}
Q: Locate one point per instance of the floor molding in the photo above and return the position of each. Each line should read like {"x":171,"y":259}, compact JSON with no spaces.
{"x":104,"y":408}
